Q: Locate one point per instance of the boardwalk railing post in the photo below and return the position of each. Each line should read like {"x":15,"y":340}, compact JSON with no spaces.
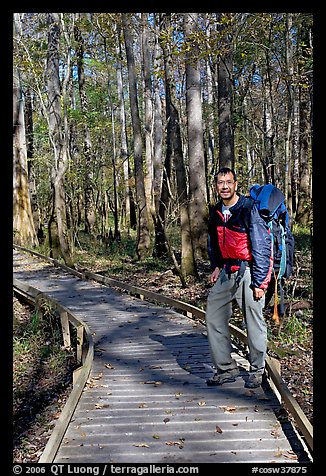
{"x":80,"y":341}
{"x":65,"y":329}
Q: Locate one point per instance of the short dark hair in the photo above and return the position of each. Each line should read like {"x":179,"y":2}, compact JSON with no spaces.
{"x":224,"y":171}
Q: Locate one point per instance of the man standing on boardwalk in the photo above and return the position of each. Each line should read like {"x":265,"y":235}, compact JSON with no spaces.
{"x":240,"y":249}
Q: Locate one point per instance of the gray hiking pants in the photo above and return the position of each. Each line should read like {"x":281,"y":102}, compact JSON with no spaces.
{"x":218,"y":315}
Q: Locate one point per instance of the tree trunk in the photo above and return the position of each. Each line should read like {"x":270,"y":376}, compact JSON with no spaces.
{"x":148,"y":114}
{"x":88,"y":185}
{"x":31,"y":168}
{"x":143,"y":236}
{"x":304,"y":214}
{"x":197,"y":169}
{"x":23,"y":225}
{"x":269,"y":128}
{"x":123,"y":134}
{"x":225,"y":95}
{"x":188,"y":264}
{"x":158,"y":136}
{"x":56,"y":136}
{"x":162,"y":173}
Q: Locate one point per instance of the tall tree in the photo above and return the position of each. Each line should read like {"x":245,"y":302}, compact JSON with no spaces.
{"x":128,"y":202}
{"x":303,"y":213}
{"x":88,"y":186}
{"x":158,"y":121}
{"x":143,"y":248}
{"x":225,"y":92}
{"x":197,"y":169}
{"x":188,"y":263}
{"x":23,"y":224}
{"x":148,"y":112}
{"x":162,"y":171}
{"x":58,"y":228}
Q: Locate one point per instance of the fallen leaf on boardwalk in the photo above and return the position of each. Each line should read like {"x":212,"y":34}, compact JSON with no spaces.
{"x":156,"y":437}
{"x":153,"y":382}
{"x":201,"y":403}
{"x":97,"y":377}
{"x":109,"y":366}
{"x":275,"y":433}
{"x":142,"y":405}
{"x":178,"y":395}
{"x":290,"y":454}
{"x":172,"y":443}
{"x":229,"y":409}
{"x":91,"y":384}
{"x":101,"y":405}
{"x":154,"y":366}
{"x":166,"y":420}
{"x":278,"y":453}
{"x":218,"y":429}
{"x":141,"y":445}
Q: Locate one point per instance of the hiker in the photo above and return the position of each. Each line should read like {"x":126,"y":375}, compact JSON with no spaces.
{"x":241,"y":260}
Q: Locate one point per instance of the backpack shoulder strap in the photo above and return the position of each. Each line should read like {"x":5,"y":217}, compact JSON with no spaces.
{"x":246,"y":210}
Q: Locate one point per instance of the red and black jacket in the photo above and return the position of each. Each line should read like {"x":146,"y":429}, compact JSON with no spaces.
{"x":244,"y":237}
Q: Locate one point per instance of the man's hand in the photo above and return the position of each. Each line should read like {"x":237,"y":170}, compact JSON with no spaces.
{"x":215,"y":274}
{"x":258,"y":293}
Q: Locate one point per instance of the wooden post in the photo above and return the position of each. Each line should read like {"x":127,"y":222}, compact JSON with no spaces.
{"x":277,"y":365}
{"x":80,"y":341}
{"x":65,"y":329}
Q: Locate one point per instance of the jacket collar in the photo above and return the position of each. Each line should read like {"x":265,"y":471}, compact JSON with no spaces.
{"x":235,"y":207}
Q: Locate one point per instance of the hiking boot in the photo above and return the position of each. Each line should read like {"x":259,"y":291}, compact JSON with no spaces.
{"x":223,"y":377}
{"x":254,"y":380}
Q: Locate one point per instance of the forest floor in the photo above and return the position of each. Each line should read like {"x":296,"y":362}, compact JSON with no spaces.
{"x":42,"y":382}
{"x":292,"y":341}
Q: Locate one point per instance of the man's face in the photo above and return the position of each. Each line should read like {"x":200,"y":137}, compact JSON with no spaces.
{"x":226,"y":186}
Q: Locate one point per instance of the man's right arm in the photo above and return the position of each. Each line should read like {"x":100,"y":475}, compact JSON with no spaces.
{"x":212,"y":243}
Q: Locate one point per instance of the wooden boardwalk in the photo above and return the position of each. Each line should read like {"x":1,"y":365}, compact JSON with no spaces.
{"x":146,"y":400}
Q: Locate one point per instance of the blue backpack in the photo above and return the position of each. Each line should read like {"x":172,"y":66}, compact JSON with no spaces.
{"x":270,"y":203}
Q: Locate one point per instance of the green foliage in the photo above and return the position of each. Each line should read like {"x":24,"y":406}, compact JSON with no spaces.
{"x":294,"y":330}
{"x":37,"y":338}
{"x":303,"y":238}
{"x":296,"y":325}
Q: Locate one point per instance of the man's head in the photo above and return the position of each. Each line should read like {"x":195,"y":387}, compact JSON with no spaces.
{"x":226,"y":184}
